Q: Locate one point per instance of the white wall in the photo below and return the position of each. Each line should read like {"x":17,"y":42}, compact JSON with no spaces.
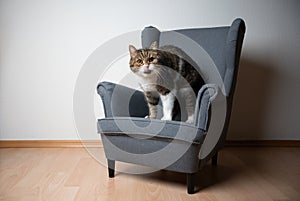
{"x":44,"y":44}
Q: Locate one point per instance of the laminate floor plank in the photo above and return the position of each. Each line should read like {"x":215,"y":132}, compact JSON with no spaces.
{"x":54,"y":174}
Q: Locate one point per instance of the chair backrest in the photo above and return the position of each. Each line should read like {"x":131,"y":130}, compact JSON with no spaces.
{"x":222,"y":44}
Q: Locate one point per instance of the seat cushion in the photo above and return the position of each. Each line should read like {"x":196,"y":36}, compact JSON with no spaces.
{"x":151,"y":129}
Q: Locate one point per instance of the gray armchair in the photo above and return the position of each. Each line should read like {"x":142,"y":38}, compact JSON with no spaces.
{"x":128,"y":136}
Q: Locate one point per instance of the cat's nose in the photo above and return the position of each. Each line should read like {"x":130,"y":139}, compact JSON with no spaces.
{"x":146,"y":69}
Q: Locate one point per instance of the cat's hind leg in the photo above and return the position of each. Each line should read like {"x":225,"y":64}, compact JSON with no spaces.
{"x":190,"y":102}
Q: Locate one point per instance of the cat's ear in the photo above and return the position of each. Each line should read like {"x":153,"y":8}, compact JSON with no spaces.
{"x":132,"y":50}
{"x":154,"y":45}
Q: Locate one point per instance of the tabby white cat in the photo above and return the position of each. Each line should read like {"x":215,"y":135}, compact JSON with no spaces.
{"x":164,"y":73}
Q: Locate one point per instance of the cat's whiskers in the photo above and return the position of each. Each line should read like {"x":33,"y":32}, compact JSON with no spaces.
{"x":163,"y":76}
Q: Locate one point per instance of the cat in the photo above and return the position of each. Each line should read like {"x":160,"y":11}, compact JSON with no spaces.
{"x":164,"y":74}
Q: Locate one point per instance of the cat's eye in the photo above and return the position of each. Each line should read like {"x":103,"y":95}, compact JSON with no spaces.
{"x":151,"y":59}
{"x":139,"y":61}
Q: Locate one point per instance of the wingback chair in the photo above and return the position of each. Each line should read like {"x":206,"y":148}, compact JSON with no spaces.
{"x":128,"y":136}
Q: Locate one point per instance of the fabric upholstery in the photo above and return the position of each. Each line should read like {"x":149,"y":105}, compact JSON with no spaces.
{"x":150,"y":141}
{"x":132,"y":139}
{"x":205,"y":97}
{"x":151,"y":128}
{"x":114,"y":98}
{"x":128,"y":136}
{"x":161,"y":154}
{"x":221,"y":43}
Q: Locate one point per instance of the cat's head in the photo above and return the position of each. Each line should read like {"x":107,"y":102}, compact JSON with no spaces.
{"x":144,"y":62}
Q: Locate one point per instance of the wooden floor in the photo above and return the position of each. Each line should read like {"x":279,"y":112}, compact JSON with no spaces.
{"x":250,"y":174}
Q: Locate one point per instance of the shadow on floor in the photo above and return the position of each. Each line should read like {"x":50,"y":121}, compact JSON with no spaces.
{"x":209,"y":176}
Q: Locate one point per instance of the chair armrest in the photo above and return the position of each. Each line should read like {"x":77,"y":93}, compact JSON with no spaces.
{"x":206,"y":95}
{"x":122,"y":101}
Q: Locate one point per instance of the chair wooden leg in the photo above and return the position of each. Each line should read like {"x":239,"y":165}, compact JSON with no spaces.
{"x":214,"y":160}
{"x":191,"y":183}
{"x":111,"y":168}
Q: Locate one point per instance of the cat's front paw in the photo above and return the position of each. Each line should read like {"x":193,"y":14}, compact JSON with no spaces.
{"x":166,"y":118}
{"x":149,"y":117}
{"x":190,"y":119}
